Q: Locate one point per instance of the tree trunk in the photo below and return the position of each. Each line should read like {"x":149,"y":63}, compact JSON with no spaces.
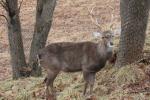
{"x":44,"y":15}
{"x":15,"y":39}
{"x":134,"y":18}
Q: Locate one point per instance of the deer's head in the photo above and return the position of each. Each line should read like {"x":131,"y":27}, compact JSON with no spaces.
{"x":105,"y":36}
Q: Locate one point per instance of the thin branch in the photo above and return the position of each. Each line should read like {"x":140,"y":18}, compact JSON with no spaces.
{"x":4,"y":17}
{"x":4,"y":4}
{"x":7,"y":5}
{"x":20,"y":6}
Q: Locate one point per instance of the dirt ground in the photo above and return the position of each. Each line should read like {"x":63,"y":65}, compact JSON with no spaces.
{"x":71,"y":22}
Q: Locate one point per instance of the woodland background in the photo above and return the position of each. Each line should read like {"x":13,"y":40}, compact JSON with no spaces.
{"x":71,"y":22}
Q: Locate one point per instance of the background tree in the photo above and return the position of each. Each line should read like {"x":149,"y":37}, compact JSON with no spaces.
{"x":15,"y":38}
{"x":134,"y":18}
{"x":44,"y":15}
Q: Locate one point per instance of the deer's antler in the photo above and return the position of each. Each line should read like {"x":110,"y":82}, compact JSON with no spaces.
{"x":94,"y":20}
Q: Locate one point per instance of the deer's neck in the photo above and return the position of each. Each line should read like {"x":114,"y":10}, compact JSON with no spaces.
{"x":104,"y":50}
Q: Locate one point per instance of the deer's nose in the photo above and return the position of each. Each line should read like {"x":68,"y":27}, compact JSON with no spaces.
{"x":111,"y":43}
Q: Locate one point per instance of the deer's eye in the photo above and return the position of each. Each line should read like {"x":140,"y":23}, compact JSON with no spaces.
{"x":106,"y":37}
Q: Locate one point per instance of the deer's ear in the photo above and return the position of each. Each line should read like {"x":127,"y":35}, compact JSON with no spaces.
{"x":97,"y":34}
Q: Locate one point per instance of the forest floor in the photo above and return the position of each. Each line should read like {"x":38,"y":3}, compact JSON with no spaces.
{"x":71,"y":22}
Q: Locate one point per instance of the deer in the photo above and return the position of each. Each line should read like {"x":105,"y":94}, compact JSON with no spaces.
{"x":88,"y":57}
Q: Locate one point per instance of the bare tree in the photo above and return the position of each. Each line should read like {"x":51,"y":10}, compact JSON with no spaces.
{"x":44,"y":14}
{"x":15,"y":38}
{"x":134,"y":18}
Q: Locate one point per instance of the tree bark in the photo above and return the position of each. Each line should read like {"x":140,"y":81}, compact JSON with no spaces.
{"x":15,"y":39}
{"x":134,"y":18}
{"x":44,"y":15}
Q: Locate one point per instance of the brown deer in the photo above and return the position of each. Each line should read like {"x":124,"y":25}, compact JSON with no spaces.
{"x":88,"y":57}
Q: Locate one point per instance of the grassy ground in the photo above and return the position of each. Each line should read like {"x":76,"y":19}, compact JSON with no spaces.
{"x":128,"y":83}
{"x":72,"y":23}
